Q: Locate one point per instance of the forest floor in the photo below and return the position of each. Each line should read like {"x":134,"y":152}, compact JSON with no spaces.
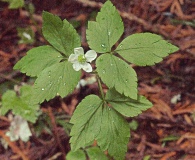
{"x":164,"y":132}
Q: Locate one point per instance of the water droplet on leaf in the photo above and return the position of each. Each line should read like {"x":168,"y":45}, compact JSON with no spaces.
{"x":103,"y":46}
{"x":49,"y":74}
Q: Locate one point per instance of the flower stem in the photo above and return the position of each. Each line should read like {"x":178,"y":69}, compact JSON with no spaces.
{"x":100,"y":87}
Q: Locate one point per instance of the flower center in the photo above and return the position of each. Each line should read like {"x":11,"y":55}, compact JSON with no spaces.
{"x":81,"y":59}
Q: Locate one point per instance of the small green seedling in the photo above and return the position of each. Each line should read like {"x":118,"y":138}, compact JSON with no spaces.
{"x":19,"y":104}
{"x":14,"y":4}
{"x":57,"y":68}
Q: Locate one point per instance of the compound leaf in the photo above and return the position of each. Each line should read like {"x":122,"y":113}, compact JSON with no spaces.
{"x":107,"y":29}
{"x":20,"y":105}
{"x":116,"y":73}
{"x":60,"y":34}
{"x":125,"y":105}
{"x":37,"y":59}
{"x":145,"y":49}
{"x":96,"y":121}
{"x":59,"y":79}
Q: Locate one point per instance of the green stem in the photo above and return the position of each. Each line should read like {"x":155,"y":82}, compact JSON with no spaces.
{"x":32,"y":18}
{"x":63,"y":116}
{"x":100,"y":88}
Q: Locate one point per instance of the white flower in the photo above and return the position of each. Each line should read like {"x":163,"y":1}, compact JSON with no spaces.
{"x":80,"y":60}
{"x":19,"y":129}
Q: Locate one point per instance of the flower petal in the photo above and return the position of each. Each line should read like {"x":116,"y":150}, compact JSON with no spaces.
{"x":86,"y":67}
{"x":73,"y":58}
{"x":78,"y":50}
{"x":24,"y":132}
{"x":77,"y":66}
{"x":90,"y":55}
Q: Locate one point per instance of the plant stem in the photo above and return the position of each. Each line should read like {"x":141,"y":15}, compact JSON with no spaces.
{"x":32,"y":18}
{"x":55,"y":132}
{"x":13,"y":146}
{"x":100,"y":88}
{"x":9,"y":78}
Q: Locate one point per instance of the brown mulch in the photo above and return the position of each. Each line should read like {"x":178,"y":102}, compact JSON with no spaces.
{"x":159,"y":83}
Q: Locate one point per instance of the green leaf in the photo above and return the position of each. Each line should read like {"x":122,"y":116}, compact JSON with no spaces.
{"x":97,"y":121}
{"x":114,"y":132}
{"x":37,"y":59}
{"x":86,"y":120}
{"x":95,"y":153}
{"x":7,"y":101}
{"x":147,"y":157}
{"x":133,"y":125}
{"x":20,"y":105}
{"x":127,"y":106}
{"x":170,"y":138}
{"x":116,"y":73}
{"x":15,"y":4}
{"x":59,"y":79}
{"x":77,"y":155}
{"x":107,"y":29}
{"x":145,"y":49}
{"x":30,"y":8}
{"x":60,"y":34}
